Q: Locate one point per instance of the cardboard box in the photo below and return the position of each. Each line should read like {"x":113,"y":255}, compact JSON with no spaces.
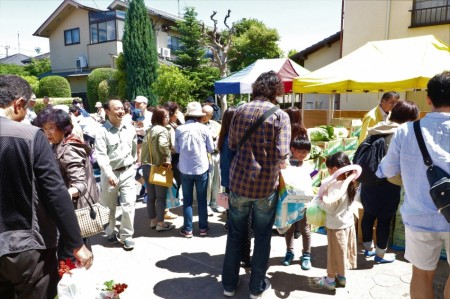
{"x":316,"y":179}
{"x":329,"y":147}
{"x":350,"y":144}
{"x":352,"y":124}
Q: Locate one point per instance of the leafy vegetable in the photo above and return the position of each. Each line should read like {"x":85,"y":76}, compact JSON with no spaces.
{"x":318,"y":134}
{"x":315,"y":151}
{"x":330,"y":130}
{"x":341,"y":132}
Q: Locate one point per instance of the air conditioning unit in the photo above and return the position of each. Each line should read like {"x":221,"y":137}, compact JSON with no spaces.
{"x":81,"y":62}
{"x":165,"y":52}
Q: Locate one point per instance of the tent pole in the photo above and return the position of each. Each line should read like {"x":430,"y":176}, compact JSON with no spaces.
{"x":292,"y":99}
{"x":330,"y":107}
{"x":302,"y":108}
{"x":248,"y":98}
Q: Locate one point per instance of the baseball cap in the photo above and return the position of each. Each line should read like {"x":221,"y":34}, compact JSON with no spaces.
{"x":141,"y":99}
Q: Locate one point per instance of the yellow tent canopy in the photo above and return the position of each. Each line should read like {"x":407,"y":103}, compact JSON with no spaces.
{"x":399,"y":64}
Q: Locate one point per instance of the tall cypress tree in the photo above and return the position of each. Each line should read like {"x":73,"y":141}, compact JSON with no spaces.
{"x":140,"y":53}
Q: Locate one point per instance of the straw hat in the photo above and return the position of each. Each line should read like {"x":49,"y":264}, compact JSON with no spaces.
{"x":194,"y":109}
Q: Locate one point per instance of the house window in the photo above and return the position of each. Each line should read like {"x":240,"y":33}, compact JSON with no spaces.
{"x":72,"y":36}
{"x":106,"y":26}
{"x":430,"y":12}
{"x":173,"y":43}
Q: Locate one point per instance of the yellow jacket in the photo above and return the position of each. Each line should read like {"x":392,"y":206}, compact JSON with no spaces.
{"x":371,"y":118}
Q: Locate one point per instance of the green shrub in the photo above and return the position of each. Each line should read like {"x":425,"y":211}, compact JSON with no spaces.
{"x":93,"y":81}
{"x":34,"y":83}
{"x":103,"y":91}
{"x":54,"y":86}
{"x":55,"y":101}
{"x":172,"y":85}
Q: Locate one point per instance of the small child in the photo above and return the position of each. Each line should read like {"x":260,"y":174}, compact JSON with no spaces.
{"x":300,"y":148}
{"x":336,"y":202}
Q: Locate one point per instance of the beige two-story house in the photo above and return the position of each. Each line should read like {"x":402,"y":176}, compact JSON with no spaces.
{"x":83,"y":38}
{"x":366,"y":21}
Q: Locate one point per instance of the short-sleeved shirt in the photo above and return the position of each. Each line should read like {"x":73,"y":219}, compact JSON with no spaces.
{"x":254,"y":170}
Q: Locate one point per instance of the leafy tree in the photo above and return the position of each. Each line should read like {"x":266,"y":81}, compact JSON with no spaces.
{"x":140,"y":53}
{"x":54,"y":86}
{"x":38,"y":66}
{"x":292,"y":52}
{"x":191,"y":56}
{"x":172,"y":85}
{"x":253,"y":40}
{"x":12,"y":69}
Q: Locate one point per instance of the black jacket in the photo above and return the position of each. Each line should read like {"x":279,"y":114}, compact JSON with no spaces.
{"x":34,"y":201}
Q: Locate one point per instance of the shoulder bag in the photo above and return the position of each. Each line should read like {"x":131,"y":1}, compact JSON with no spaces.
{"x":439,"y":179}
{"x":222,"y":198}
{"x":93,"y":219}
{"x":159,"y":175}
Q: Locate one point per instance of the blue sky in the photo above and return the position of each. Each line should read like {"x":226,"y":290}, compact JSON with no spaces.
{"x":300,"y":23}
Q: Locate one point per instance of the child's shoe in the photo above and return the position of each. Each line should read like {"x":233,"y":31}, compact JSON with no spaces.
{"x":288,"y":258}
{"x":324,"y":283}
{"x":306,"y":261}
{"x":340,"y":281}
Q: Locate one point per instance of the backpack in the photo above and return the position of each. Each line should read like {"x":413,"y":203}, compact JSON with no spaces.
{"x":369,"y":155}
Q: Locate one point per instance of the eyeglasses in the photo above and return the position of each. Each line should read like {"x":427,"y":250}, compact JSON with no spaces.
{"x":49,"y":130}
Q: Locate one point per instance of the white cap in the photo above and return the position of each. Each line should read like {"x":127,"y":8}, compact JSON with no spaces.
{"x":98,"y":105}
{"x":141,"y":99}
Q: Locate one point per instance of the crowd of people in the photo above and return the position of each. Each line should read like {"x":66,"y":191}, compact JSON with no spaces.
{"x":240,"y":153}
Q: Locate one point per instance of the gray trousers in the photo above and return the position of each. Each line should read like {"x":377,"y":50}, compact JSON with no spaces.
{"x":156,"y":203}
{"x":127,"y":190}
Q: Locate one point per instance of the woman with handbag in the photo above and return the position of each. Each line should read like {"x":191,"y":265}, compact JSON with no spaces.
{"x":72,"y":155}
{"x":156,"y":152}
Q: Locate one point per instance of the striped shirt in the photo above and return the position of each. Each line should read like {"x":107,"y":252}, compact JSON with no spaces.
{"x":254,"y":170}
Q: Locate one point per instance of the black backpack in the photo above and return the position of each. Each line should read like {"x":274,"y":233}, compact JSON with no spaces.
{"x":369,"y":155}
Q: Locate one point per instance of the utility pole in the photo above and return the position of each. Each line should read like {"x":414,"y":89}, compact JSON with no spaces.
{"x":18,"y":41}
{"x":7,"y":48}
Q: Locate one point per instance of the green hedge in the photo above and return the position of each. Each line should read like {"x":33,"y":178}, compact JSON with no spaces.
{"x":93,"y":81}
{"x":55,"y":101}
{"x":54,"y":86}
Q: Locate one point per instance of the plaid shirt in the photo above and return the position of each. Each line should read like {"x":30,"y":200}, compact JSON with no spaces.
{"x":254,"y":170}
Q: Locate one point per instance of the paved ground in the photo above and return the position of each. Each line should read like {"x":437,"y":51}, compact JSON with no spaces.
{"x":166,"y":265}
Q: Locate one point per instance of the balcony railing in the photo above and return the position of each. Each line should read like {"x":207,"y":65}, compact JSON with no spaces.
{"x":430,"y":16}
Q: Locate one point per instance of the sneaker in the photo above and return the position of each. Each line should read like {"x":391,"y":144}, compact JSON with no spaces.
{"x":287,"y":258}
{"x":231,"y":293}
{"x":210,"y":211}
{"x":168,"y":215}
{"x":369,"y":253}
{"x":166,"y":226}
{"x":112,"y":239}
{"x":297,"y":235}
{"x":219,"y":209}
{"x":266,"y":287}
{"x":153,"y":224}
{"x":306,"y":261}
{"x":322,"y":282}
{"x":145,"y":198}
{"x":185,"y":233}
{"x":340,"y":281}
{"x":204,"y":232}
{"x":384,"y":260}
{"x":128,"y":244}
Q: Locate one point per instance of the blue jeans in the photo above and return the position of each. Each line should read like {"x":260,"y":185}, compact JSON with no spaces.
{"x":201,"y":183}
{"x":263,"y":216}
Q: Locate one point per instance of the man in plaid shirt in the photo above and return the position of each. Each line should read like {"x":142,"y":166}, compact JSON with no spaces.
{"x":254,"y":180}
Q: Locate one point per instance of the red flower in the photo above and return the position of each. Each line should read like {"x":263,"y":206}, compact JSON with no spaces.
{"x":65,"y":267}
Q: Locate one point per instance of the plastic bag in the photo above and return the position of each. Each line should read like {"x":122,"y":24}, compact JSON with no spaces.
{"x":295,"y":190}
{"x":172,"y":198}
{"x":315,"y":215}
{"x":76,"y":285}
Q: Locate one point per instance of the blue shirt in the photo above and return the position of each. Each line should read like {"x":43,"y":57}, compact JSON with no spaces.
{"x":193,"y":141}
{"x":418,"y":210}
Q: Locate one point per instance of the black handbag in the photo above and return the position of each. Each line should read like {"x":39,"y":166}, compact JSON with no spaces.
{"x":439,"y":179}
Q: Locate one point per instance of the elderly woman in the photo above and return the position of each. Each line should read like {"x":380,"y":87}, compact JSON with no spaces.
{"x":156,"y":150}
{"x":72,"y":155}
